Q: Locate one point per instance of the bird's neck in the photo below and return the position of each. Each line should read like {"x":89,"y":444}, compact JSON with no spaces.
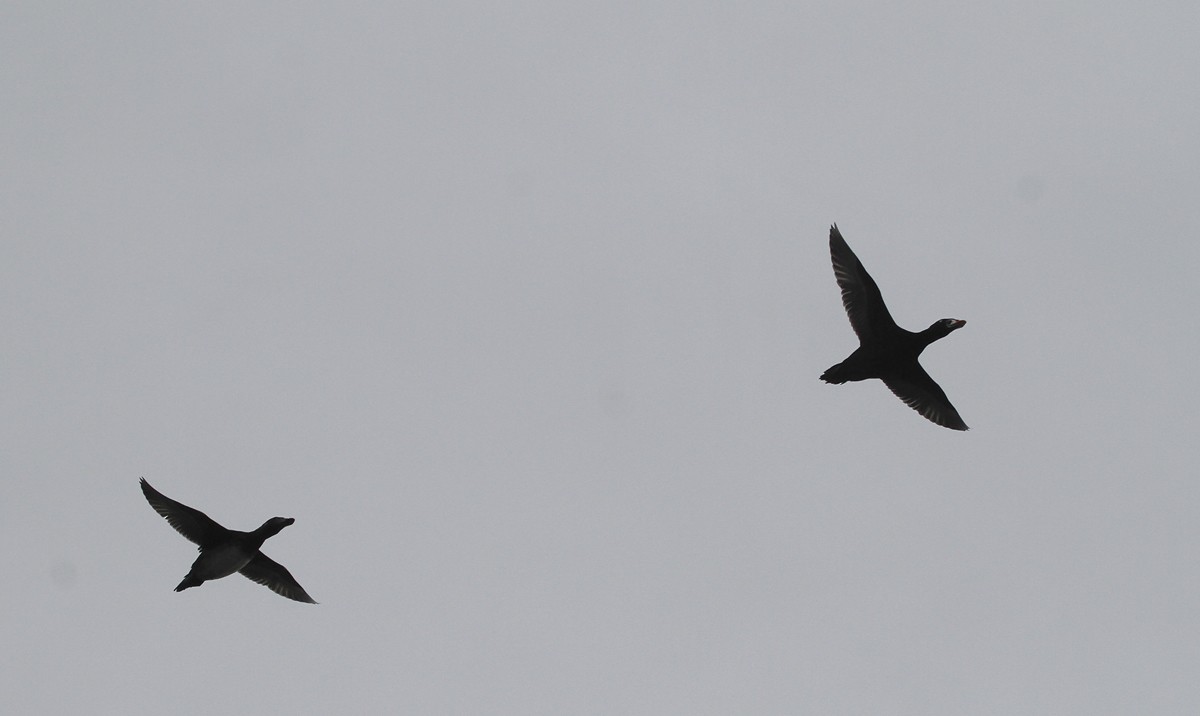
{"x":929,"y":335}
{"x":260,"y":535}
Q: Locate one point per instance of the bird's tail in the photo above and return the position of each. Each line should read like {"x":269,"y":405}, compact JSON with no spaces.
{"x":189,"y":581}
{"x":836,"y":375}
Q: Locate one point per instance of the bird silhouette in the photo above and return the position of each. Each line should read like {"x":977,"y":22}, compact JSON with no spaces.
{"x":224,"y":551}
{"x":887,"y":351}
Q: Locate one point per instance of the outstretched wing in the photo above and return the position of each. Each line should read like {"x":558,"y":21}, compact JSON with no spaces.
{"x":274,"y":576}
{"x":860,"y":296}
{"x":191,"y":523}
{"x":923,"y":395}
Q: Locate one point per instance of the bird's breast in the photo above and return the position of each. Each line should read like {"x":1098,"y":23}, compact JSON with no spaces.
{"x":221,"y":561}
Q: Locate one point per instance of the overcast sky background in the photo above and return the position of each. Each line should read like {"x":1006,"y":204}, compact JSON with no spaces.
{"x":519,"y":311}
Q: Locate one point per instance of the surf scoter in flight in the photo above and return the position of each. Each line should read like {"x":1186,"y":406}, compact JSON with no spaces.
{"x":887,"y":351}
{"x":224,"y":551}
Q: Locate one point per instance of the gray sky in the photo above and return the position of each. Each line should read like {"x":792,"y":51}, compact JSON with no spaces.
{"x":519,"y":311}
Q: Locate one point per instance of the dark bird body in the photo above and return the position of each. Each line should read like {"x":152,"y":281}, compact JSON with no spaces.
{"x":224,"y":551}
{"x":887,"y":351}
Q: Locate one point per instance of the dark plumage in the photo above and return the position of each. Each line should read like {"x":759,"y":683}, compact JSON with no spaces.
{"x":224,"y":551}
{"x":887,"y":351}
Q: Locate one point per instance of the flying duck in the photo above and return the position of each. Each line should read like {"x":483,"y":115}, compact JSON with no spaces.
{"x":887,"y":351}
{"x":224,"y":551}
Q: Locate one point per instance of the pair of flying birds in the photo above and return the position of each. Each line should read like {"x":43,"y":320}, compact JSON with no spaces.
{"x":886,"y":351}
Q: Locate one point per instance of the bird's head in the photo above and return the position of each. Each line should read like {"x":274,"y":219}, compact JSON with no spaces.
{"x":946,"y":325}
{"x":275,"y":524}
